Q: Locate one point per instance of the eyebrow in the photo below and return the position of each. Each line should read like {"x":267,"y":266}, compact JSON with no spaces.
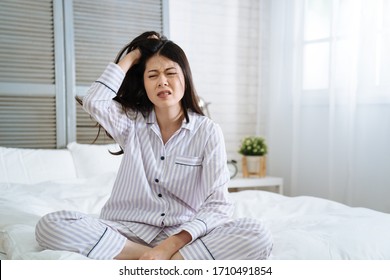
{"x":169,"y":68}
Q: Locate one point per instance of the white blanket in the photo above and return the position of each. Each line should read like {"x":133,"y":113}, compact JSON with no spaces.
{"x":302,"y":227}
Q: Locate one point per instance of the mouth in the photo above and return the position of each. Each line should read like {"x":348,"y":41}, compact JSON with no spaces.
{"x":163,"y":93}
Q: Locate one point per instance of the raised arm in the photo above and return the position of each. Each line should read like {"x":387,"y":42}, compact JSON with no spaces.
{"x":129,"y":60}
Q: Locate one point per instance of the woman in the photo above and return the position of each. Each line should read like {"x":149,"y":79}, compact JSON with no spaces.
{"x":170,"y":198}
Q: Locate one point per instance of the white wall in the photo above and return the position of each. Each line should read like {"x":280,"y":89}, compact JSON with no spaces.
{"x":221,"y":40}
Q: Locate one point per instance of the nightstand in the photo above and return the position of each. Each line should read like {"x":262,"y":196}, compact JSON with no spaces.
{"x":267,"y":182}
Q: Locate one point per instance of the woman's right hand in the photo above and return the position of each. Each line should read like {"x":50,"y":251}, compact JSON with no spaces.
{"x":129,"y":60}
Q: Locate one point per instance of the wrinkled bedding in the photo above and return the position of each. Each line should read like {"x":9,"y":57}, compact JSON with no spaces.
{"x":302,"y":227}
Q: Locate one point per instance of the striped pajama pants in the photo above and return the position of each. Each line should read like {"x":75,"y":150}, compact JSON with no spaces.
{"x":240,"y":239}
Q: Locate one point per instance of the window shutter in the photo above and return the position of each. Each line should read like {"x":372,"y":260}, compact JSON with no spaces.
{"x":27,"y":122}
{"x":27,"y":74}
{"x":101,"y":29}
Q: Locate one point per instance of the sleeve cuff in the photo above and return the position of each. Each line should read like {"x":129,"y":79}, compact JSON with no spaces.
{"x":196,"y":229}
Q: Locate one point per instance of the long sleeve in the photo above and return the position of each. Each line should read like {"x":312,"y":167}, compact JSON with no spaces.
{"x":99,"y":104}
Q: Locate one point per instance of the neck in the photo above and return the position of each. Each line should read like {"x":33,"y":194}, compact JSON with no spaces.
{"x":169,"y":121}
{"x":168,"y":117}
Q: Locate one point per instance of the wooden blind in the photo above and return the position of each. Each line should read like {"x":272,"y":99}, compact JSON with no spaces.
{"x":27,"y":122}
{"x":26,"y":41}
{"x":101,"y":29}
{"x":27,"y":75}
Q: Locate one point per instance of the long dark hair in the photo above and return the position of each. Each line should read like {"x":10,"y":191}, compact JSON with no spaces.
{"x":132,"y":94}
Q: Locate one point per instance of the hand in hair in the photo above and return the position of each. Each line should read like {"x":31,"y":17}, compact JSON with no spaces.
{"x":130,"y":59}
{"x":135,"y":49}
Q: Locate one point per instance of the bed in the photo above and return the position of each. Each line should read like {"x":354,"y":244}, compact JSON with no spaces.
{"x":34,"y":182}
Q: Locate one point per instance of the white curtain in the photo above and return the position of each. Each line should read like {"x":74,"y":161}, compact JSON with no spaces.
{"x":326,"y":98}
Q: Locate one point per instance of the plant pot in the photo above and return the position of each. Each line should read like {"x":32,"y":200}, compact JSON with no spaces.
{"x":254,"y":165}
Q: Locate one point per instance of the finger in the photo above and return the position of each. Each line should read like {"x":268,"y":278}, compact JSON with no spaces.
{"x":153,"y":37}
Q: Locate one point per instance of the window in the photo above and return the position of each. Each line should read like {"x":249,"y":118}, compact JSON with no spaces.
{"x":316,"y":44}
{"x":382,"y":53}
{"x":346,"y":40}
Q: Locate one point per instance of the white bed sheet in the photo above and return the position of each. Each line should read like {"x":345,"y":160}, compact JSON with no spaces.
{"x":302,"y":227}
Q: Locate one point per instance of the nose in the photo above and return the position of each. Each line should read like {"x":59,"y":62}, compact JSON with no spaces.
{"x":162,"y":81}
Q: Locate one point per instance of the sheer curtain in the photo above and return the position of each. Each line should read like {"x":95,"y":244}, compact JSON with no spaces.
{"x":325,"y":98}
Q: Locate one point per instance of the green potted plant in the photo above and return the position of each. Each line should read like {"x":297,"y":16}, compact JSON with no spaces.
{"x":254,"y":150}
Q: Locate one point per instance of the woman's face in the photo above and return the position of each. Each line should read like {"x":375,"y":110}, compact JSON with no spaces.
{"x":164,"y":82}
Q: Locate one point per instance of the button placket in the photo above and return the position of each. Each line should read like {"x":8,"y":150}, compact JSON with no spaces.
{"x":161,"y":165}
{"x":163,"y":215}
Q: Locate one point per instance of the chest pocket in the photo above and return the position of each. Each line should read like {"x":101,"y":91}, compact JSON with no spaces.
{"x":189,"y":161}
{"x":188,"y":185}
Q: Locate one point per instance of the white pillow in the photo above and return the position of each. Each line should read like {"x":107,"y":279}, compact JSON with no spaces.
{"x":31,"y":166}
{"x":93,"y":160}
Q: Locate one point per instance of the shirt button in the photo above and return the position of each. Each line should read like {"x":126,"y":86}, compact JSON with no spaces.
{"x":162,"y":157}
{"x":159,"y":195}
{"x":156,"y":180}
{"x":162,"y":214}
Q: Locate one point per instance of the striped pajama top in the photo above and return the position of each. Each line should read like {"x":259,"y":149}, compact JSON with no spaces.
{"x":181,"y":185}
